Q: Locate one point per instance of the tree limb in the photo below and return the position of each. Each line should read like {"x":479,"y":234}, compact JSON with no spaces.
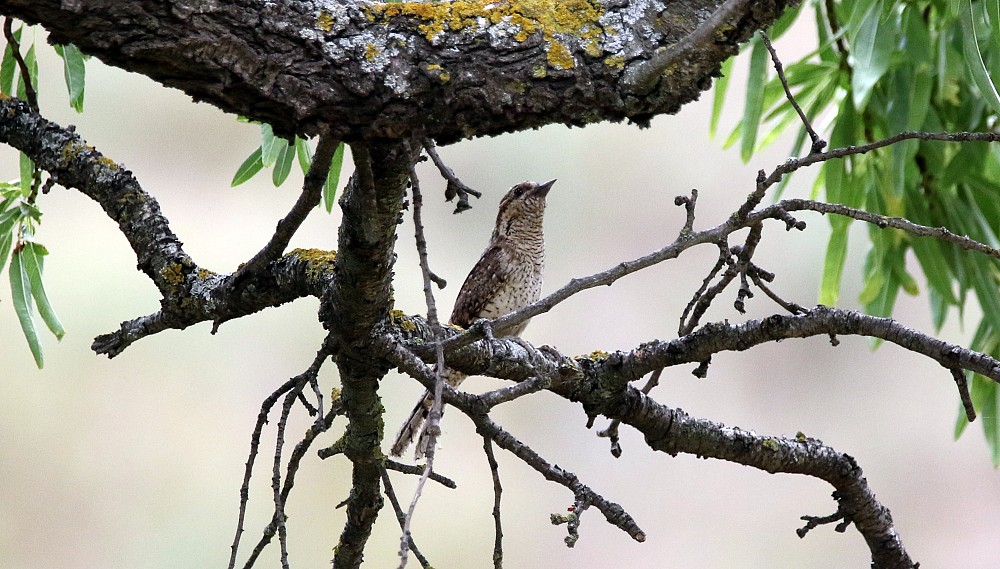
{"x":478,"y":67}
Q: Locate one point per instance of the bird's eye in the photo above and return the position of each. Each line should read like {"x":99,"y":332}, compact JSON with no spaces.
{"x":518,"y":191}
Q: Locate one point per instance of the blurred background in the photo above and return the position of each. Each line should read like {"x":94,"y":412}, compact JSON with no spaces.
{"x":136,"y":462}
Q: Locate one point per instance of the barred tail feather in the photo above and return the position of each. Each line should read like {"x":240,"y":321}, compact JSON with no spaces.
{"x":411,"y":429}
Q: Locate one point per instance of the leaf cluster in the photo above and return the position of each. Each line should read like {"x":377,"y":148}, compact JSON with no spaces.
{"x":883,"y":67}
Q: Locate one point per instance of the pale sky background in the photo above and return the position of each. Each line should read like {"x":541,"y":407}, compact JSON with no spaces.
{"x":136,"y":462}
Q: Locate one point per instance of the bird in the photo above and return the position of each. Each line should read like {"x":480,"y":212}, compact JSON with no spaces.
{"x":507,"y":277}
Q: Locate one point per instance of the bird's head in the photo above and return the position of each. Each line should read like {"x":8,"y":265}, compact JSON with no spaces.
{"x":522,"y":208}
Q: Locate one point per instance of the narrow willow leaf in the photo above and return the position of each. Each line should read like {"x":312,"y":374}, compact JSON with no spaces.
{"x":303,"y":153}
{"x":8,"y":66}
{"x":20,"y":288}
{"x":754,"y":105}
{"x":719,"y":95}
{"x":974,"y":59}
{"x":871,"y":49}
{"x":33,"y":257}
{"x":785,"y":22}
{"x":833,"y":263}
{"x":984,"y":398}
{"x":248,"y":169}
{"x":75,"y":73}
{"x":6,"y":241}
{"x":27,"y":174}
{"x":32,"y":64}
{"x":283,"y":164}
{"x":333,"y":178}
{"x":270,"y":145}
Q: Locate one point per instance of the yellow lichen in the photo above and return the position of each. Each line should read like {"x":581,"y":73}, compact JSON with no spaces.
{"x":371,"y":52}
{"x":615,"y":61}
{"x":539,"y":71}
{"x":559,"y":56}
{"x":597,"y":355}
{"x":400,"y":318}
{"x":324,"y":21}
{"x":173,"y":273}
{"x":579,"y":18}
{"x":439,"y":72}
{"x":318,"y":261}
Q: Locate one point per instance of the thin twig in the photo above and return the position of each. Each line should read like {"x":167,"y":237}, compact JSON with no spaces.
{"x":813,"y":522}
{"x":434,"y":417}
{"x":963,"y":392}
{"x":279,"y":502}
{"x":409,"y":363}
{"x":265,"y":410}
{"x":497,"y":492}
{"x":401,"y":518}
{"x":689,"y":204}
{"x":29,"y":89}
{"x":735,"y":223}
{"x":413,"y":469}
{"x":818,"y":144}
{"x":880,"y":221}
{"x":312,"y":192}
{"x":455,"y":187}
{"x":612,"y":431}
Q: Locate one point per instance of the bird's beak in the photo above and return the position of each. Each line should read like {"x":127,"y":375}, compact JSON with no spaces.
{"x":543,"y":189}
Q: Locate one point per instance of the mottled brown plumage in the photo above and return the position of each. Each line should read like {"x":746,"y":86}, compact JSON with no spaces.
{"x":507,"y":277}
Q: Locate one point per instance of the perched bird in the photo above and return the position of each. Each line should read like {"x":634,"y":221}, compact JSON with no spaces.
{"x":507,"y":277}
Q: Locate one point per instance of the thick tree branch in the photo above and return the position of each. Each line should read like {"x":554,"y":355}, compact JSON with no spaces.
{"x":476,"y":68}
{"x":359,"y":300}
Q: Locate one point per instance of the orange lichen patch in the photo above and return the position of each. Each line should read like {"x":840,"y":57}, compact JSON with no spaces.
{"x":577,"y":18}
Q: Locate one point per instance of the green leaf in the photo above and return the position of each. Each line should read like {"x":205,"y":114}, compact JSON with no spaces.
{"x":32,"y":64}
{"x":754,"y":105}
{"x":248,"y":169}
{"x":283,"y":164}
{"x":20,"y":288}
{"x":6,"y":241}
{"x":333,"y":178}
{"x":871,"y":49}
{"x":75,"y":74}
{"x":303,"y":153}
{"x":719,"y":95}
{"x":270,"y":145}
{"x":785,"y":22}
{"x":974,"y":58}
{"x":32,"y":259}
{"x":8,"y":66}
{"x":833,"y":263}
{"x":27,"y":174}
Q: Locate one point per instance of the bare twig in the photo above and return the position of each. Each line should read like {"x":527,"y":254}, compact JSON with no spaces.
{"x":413,"y":469}
{"x":818,"y":144}
{"x":409,"y":363}
{"x":963,"y":393}
{"x":612,"y":431}
{"x":689,"y":204}
{"x":497,"y":492}
{"x":456,"y":187}
{"x":434,"y":417}
{"x":312,"y":192}
{"x":289,"y":388}
{"x":877,"y":220}
{"x":401,"y":518}
{"x":813,"y":522}
{"x":22,"y":66}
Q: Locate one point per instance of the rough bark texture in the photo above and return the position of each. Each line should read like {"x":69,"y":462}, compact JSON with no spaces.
{"x":447,"y":70}
{"x":358,"y":301}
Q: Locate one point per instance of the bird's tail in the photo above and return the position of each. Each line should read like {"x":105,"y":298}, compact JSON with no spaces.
{"x":411,"y":429}
{"x":414,"y":428}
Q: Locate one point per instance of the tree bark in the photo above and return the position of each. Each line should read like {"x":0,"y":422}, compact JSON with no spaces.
{"x":447,"y":70}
